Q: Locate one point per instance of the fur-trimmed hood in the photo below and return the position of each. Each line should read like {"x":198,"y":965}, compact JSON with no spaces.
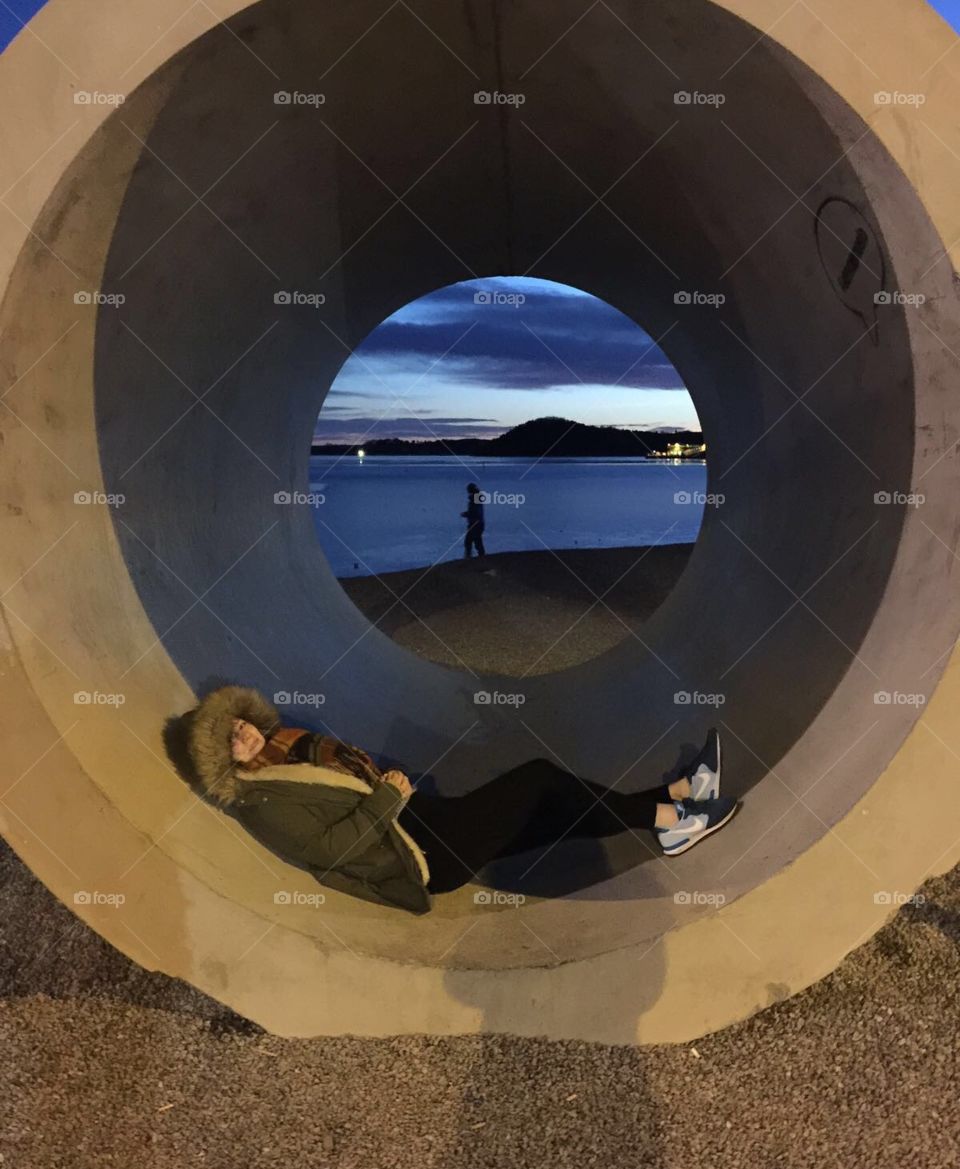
{"x":224,"y":779}
{"x":218,"y":773}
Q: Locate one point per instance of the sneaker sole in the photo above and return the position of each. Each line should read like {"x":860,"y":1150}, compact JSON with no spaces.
{"x":703,"y":835}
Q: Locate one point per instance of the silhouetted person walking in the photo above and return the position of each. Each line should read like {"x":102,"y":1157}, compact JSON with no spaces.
{"x":474,"y":518}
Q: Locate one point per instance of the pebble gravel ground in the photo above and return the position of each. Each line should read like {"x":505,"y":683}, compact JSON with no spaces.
{"x":106,"y":1065}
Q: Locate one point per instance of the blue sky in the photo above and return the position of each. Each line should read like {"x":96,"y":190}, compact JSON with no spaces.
{"x":14,"y":12}
{"x":949,"y":10}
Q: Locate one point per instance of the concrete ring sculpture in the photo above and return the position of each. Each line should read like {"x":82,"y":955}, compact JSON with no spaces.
{"x":158,"y":395}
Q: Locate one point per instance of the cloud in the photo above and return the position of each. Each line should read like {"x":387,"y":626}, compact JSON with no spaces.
{"x":559,"y":336}
{"x":445,"y":350}
{"x":365,"y":428}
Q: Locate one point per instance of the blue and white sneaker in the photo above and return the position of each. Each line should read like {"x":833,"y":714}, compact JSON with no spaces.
{"x":696,"y":819}
{"x":704,"y":771}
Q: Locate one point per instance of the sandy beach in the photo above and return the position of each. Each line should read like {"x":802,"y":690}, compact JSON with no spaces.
{"x":521,"y":613}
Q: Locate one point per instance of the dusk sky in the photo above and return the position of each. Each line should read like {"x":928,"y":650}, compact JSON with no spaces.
{"x":445,"y":366}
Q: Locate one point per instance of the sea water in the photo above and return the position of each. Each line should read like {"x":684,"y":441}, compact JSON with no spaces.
{"x":383,"y":513}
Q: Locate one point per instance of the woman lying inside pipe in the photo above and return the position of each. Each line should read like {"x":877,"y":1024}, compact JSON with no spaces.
{"x":325,"y":806}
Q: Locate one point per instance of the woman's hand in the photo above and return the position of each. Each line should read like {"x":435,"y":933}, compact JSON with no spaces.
{"x":398,"y":780}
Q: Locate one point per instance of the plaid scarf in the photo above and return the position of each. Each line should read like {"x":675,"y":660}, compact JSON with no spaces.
{"x":323,"y":751}
{"x":276,"y":749}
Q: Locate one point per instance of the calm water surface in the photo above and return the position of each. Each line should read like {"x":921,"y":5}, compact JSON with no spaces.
{"x":384,"y":513}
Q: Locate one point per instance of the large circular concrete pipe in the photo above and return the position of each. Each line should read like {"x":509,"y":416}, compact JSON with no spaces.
{"x":823,"y":382}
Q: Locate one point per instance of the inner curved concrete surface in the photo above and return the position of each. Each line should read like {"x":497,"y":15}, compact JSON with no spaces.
{"x":198,"y":200}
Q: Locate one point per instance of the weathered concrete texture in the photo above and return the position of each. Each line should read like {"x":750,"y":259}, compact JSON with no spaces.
{"x":799,"y":200}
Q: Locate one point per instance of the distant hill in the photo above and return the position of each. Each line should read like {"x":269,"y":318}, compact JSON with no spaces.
{"x":552,"y":437}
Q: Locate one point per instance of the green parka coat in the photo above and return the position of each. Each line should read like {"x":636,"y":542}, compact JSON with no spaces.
{"x":319,"y":818}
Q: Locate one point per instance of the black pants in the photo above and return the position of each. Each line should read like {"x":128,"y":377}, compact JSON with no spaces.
{"x":530,"y":806}
{"x":474,"y":537}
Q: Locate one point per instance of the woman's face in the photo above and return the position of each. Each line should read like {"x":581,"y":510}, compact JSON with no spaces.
{"x":245,"y":741}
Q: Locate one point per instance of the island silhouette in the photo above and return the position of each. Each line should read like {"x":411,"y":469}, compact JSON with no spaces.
{"x":540,"y":437}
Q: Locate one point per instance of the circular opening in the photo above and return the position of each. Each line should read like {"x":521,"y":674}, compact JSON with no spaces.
{"x":508,"y":475}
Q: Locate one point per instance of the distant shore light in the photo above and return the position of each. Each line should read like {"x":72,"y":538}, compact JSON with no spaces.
{"x":360,"y":453}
